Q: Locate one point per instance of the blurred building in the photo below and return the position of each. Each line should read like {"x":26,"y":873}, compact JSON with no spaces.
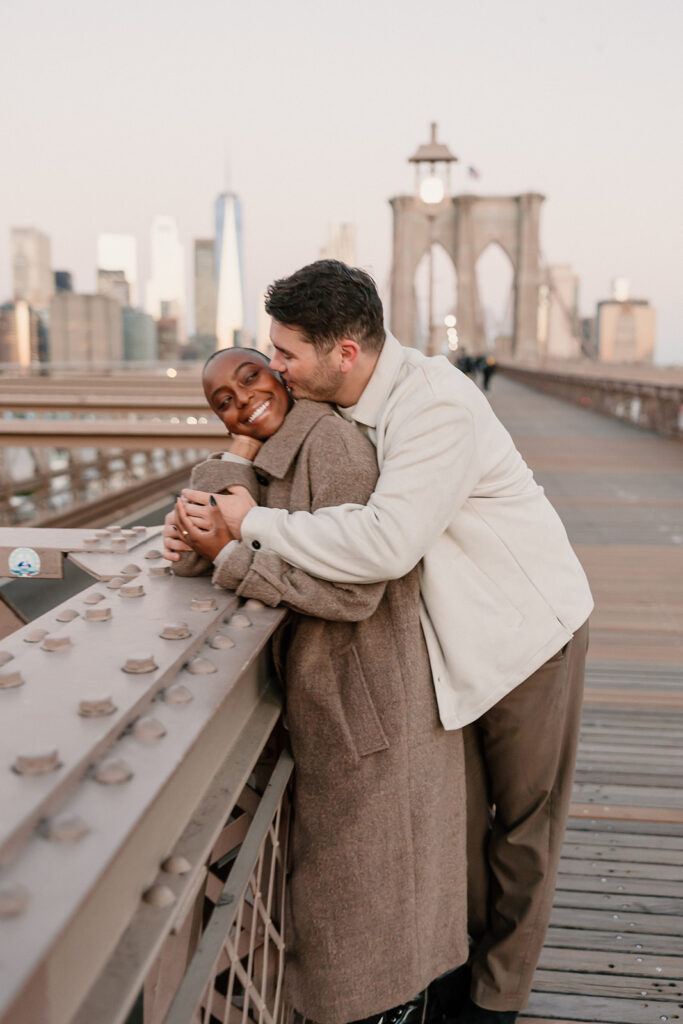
{"x":114,"y":284}
{"x":625,"y":331}
{"x":263,"y":343}
{"x":85,"y":329}
{"x":229,"y":269}
{"x":32,"y":278}
{"x":165,"y":292}
{"x":120,"y":253}
{"x":559,"y":329}
{"x":340,"y":244}
{"x":139,"y":335}
{"x":168,"y":346}
{"x":22,"y":334}
{"x":63,"y":281}
{"x":205,"y":293}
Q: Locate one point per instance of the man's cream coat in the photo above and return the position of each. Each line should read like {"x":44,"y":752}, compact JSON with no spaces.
{"x":502,"y":590}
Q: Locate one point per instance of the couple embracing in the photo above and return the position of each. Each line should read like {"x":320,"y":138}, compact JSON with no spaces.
{"x":432,"y":658}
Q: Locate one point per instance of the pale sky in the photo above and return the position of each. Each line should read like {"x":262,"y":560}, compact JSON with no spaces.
{"x":113,"y":114}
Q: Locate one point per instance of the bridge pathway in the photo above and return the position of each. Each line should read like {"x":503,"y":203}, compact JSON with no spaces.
{"x":614,"y":952}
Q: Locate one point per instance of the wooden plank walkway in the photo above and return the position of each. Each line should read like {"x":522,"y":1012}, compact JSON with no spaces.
{"x":614,"y":951}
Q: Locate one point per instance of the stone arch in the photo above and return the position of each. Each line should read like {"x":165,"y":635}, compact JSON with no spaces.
{"x":445,"y":295}
{"x":495,"y":273}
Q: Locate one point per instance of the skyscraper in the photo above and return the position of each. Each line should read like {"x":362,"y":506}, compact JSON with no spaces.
{"x":120,"y":252}
{"x":229,"y":269}
{"x":32,"y":278}
{"x":341,"y":243}
{"x":85,"y":329}
{"x":205,"y":289}
{"x":21,"y":332}
{"x":114,"y":284}
{"x":165,"y":294}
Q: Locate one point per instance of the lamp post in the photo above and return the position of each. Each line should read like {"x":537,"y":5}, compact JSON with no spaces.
{"x":432,"y":184}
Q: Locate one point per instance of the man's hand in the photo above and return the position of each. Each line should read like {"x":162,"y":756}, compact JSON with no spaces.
{"x":233,"y":507}
{"x":208,"y":538}
{"x":173,"y":543}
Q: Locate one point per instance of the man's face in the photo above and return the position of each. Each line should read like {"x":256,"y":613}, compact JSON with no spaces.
{"x":305,"y":371}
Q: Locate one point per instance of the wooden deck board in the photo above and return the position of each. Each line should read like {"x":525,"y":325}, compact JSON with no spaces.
{"x":614,"y":950}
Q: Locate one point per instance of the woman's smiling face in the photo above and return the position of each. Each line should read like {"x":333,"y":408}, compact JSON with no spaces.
{"x":245,"y":393}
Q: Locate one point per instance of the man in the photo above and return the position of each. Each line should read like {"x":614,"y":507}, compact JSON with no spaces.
{"x":504,"y":609}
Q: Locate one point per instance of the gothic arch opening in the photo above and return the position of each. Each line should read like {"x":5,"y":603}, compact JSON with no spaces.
{"x":444,"y":299}
{"x":496,"y":297}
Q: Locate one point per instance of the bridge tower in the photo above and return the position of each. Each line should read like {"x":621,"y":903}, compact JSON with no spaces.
{"x":464,"y":225}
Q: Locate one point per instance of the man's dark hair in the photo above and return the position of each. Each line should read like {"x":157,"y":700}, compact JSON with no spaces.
{"x":327,"y":301}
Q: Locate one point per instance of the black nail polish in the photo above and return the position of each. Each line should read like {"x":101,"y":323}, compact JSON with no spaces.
{"x":212,"y":500}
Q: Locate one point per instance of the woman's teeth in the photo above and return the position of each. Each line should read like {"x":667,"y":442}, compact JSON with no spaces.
{"x":257,"y":413}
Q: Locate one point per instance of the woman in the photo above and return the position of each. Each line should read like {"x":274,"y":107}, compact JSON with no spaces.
{"x":378,"y":834}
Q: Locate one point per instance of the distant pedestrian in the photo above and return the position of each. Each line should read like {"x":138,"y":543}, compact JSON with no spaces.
{"x":487,"y":371}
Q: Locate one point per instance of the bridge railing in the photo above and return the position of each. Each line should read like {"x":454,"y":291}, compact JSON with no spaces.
{"x":650,"y":404}
{"x":144,"y":796}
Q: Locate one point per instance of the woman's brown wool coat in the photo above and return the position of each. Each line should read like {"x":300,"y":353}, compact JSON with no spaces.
{"x":377,"y":905}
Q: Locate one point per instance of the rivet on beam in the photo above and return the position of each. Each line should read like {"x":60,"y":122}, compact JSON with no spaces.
{"x":175,"y":631}
{"x":99,"y":614}
{"x":203,"y":604}
{"x":239,"y":621}
{"x":118,"y":544}
{"x":132,"y":590}
{"x":253,"y":605}
{"x":5,"y":656}
{"x":138,"y":664}
{"x":93,"y":598}
{"x":113,"y":529}
{"x":65,"y":828}
{"x":153,"y":553}
{"x":96,"y":707}
{"x":102,"y":534}
{"x":159,"y":896}
{"x":139,"y":530}
{"x":127,"y":533}
{"x":14,"y":899}
{"x":116,"y":582}
{"x":221,"y":642}
{"x":201,"y":667}
{"x":176,"y":866}
{"x":56,"y":643}
{"x":113,"y":772}
{"x":131,"y":569}
{"x":36,"y":764}
{"x":147,"y":730}
{"x":178,"y":694}
{"x":10,"y":680}
{"x":159,"y":570}
{"x":91,"y":542}
{"x":34,"y":636}
{"x":67,"y":615}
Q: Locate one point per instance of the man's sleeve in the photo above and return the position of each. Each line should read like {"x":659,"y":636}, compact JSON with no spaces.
{"x":429,"y":469}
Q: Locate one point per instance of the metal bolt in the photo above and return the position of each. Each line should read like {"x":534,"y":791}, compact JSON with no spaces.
{"x":10,"y":680}
{"x":132,"y":590}
{"x":67,"y":615}
{"x":115,"y":583}
{"x":94,"y":598}
{"x":96,"y":707}
{"x":138,"y":664}
{"x":178,"y":694}
{"x":139,"y":530}
{"x":131,"y":569}
{"x":153,"y":553}
{"x":239,"y":621}
{"x":221,"y":642}
{"x":36,"y":764}
{"x":113,"y":529}
{"x":35,"y":636}
{"x":67,"y":828}
{"x":14,"y":899}
{"x":56,"y":643}
{"x":159,"y":896}
{"x":175,"y":631}
{"x":253,"y":605}
{"x":118,"y":544}
{"x":99,"y":614}
{"x":159,"y":570}
{"x":146,"y":730}
{"x":91,"y":542}
{"x":201,"y":667}
{"x":102,"y":533}
{"x":176,"y":866}
{"x":5,"y":656}
{"x":127,"y":533}
{"x":113,"y":772}
{"x":203,"y":604}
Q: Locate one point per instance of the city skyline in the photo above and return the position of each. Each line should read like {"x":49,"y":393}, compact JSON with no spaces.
{"x":577,"y":104}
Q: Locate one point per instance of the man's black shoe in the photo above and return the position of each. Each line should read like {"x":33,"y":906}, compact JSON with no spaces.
{"x":448,"y":994}
{"x":473,"y":1014}
{"x":412,"y":1012}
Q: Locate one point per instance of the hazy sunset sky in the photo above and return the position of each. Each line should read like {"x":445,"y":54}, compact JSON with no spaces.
{"x":111,"y":114}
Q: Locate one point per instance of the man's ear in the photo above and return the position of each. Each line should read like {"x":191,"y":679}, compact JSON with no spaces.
{"x":349,"y":351}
